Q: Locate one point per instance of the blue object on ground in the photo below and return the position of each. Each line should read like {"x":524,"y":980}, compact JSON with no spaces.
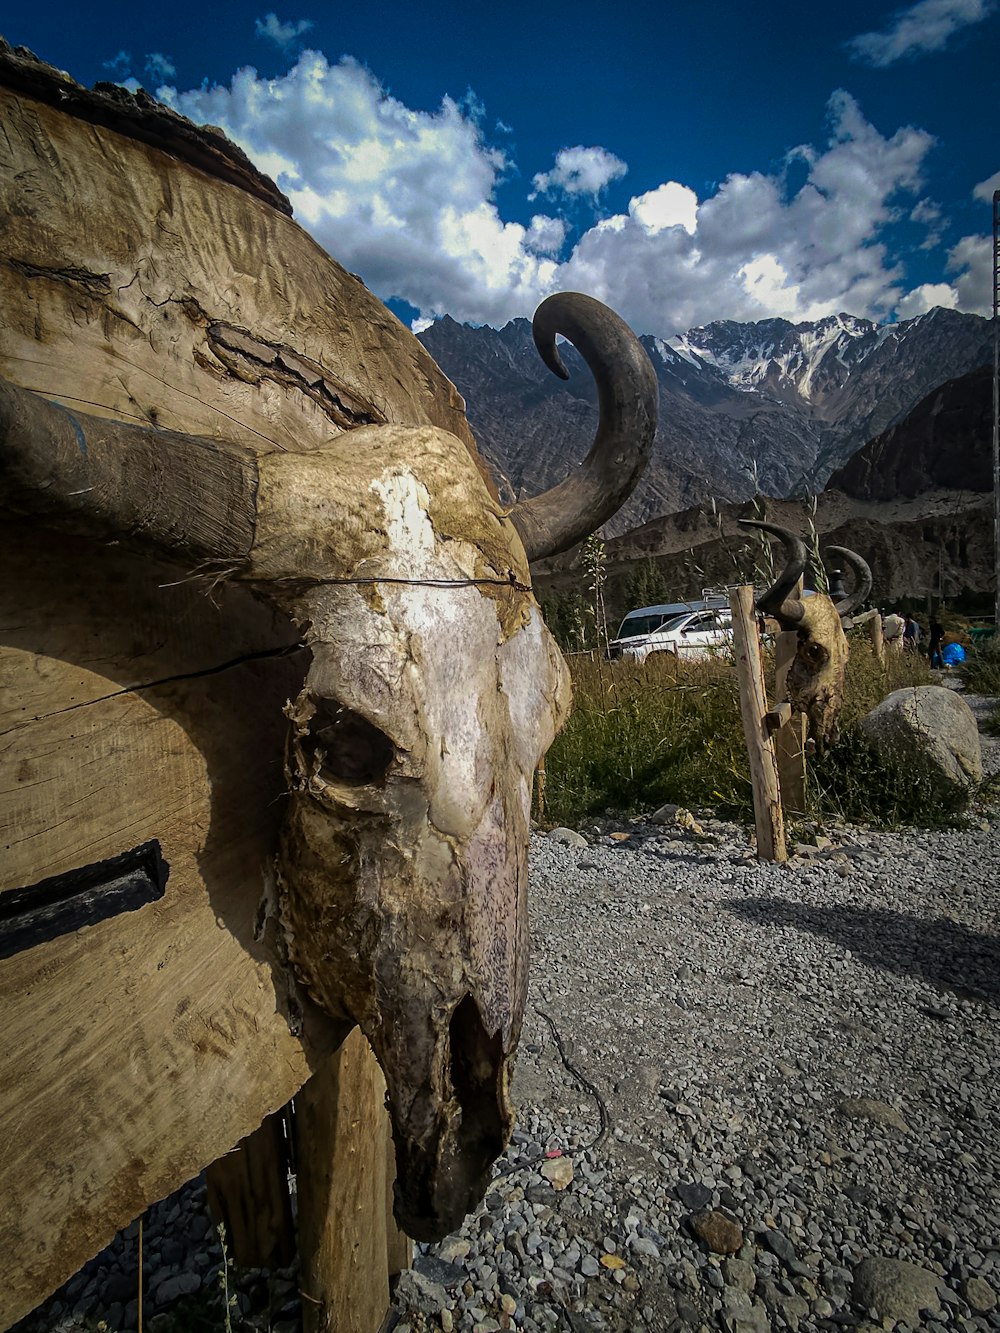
{"x":952,"y":654}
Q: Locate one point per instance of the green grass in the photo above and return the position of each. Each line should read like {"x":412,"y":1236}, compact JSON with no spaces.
{"x":642,"y":735}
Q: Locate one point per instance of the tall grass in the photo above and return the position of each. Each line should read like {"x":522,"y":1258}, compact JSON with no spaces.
{"x":668,"y":730}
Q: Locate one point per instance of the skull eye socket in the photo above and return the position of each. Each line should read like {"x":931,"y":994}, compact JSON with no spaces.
{"x":348,"y":747}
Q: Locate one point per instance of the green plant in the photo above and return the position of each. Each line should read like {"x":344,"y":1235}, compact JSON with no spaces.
{"x":641,"y":735}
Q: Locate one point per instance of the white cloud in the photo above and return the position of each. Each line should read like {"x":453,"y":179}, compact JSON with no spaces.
{"x":580,"y":171}
{"x":282,"y":34}
{"x":160,"y":67}
{"x":972,"y":262}
{"x":408,"y":199}
{"x":926,"y":297}
{"x":669,"y":205}
{"x":119,"y":66}
{"x":918,"y":30}
{"x":984,"y":191}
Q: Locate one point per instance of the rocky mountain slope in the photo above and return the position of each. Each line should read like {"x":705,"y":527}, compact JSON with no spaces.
{"x":916,"y":502}
{"x":770,"y":406}
{"x":944,"y":442}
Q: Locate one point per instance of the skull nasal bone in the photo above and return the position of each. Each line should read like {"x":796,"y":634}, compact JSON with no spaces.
{"x":350,"y":748}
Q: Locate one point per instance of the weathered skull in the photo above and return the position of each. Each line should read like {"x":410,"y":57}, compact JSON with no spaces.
{"x":402,"y":868}
{"x":816,"y":677}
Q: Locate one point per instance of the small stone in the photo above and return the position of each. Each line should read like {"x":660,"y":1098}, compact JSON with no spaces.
{"x":447,"y":1320}
{"x":453,"y":1249}
{"x":184,"y":1284}
{"x":558,"y":1171}
{"x":567,"y":837}
{"x":738,"y":1273}
{"x":507,"y":1303}
{"x":779,"y":1245}
{"x":667,"y":814}
{"x":589,"y":1266}
{"x":693,"y":1195}
{"x":978,"y":1295}
{"x":722,"y":1234}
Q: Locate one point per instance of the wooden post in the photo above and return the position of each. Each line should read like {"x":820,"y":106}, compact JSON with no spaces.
{"x":753,"y":705}
{"x":248,"y":1194}
{"x":878,"y":642}
{"x":790,"y":738}
{"x":540,"y":787}
{"x":342,"y":1154}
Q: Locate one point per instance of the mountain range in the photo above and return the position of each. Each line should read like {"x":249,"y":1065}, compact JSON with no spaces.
{"x":745,"y":408}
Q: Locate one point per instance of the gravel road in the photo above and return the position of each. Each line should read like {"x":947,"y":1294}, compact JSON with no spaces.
{"x":752,"y":1097}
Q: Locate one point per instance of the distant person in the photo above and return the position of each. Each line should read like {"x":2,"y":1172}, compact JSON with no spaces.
{"x":911,"y":633}
{"x":892,"y":631}
{"x":934,"y":644}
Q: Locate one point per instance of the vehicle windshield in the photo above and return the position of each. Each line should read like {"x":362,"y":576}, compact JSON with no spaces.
{"x":632,"y":626}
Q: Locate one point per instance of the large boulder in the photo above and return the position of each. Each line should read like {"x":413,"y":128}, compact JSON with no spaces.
{"x":933,"y":729}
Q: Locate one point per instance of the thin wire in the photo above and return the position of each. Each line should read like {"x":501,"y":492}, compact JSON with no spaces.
{"x":510,"y":582}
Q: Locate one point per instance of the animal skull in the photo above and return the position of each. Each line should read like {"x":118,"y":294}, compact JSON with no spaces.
{"x":816,"y":677}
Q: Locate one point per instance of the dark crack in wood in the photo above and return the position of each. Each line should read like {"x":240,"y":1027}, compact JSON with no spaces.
{"x":253,"y":359}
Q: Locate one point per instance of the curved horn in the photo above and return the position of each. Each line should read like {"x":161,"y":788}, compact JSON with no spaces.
{"x":862,"y":579}
{"x":627,"y":397}
{"x":182,"y":493}
{"x":780,"y":600}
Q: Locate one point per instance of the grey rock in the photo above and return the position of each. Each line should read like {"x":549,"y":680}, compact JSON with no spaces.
{"x":183,"y":1284}
{"x":934,"y":731}
{"x":568,"y":837}
{"x":896,"y":1289}
{"x":416,"y":1292}
{"x":978,"y":1295}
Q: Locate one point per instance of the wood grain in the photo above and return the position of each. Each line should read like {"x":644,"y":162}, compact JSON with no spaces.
{"x":138,"y":1050}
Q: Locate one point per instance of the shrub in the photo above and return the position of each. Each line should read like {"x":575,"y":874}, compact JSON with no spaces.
{"x":666,"y":730}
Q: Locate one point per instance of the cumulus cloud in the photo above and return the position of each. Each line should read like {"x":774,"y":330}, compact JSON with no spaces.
{"x":282,"y":34}
{"x":971,"y":260}
{"x":119,"y":66}
{"x":926,"y":297}
{"x":580,"y":171}
{"x":918,"y":30}
{"x":408,"y":199}
{"x":669,"y":205}
{"x":159,"y":67}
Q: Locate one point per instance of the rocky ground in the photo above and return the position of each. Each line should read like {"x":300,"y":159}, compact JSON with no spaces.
{"x":752,"y":1097}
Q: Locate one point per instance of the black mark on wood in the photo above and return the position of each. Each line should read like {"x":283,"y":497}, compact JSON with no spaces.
{"x":63,"y":903}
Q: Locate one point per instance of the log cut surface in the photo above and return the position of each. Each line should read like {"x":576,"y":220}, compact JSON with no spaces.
{"x":135,"y":286}
{"x":138,"y":1049}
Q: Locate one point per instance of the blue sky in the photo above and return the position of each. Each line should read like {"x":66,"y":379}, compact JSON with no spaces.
{"x":683,"y":162}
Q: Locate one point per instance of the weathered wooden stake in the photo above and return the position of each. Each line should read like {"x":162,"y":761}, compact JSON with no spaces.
{"x":248,"y":1194}
{"x":768,"y":818}
{"x":790,"y":738}
{"x":540,"y":786}
{"x":878,"y":642}
{"x":342,"y":1155}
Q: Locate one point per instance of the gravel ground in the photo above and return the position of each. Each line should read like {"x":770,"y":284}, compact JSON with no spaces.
{"x":752,"y":1097}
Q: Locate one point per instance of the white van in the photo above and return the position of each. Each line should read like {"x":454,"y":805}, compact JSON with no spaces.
{"x":693,"y":629}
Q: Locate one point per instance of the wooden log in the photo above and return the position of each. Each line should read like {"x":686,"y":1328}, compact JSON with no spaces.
{"x":248,"y":1194}
{"x":878,"y":642}
{"x":790,"y":738}
{"x":768,"y":818}
{"x":141,"y":1047}
{"x":342,"y":1137}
